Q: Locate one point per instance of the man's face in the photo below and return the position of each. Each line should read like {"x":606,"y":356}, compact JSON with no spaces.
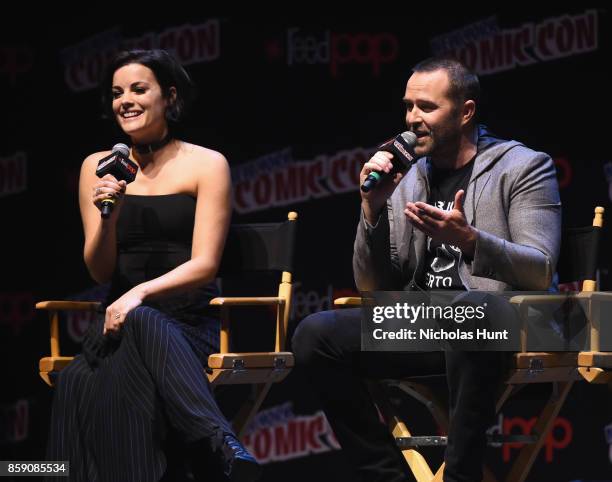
{"x":431,"y":114}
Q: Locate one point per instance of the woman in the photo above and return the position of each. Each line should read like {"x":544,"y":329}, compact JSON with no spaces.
{"x":139,"y":390}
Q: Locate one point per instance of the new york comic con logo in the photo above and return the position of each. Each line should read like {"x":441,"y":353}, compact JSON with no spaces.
{"x":335,"y":49}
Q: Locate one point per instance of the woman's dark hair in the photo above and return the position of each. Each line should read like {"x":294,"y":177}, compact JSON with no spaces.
{"x":167,"y":71}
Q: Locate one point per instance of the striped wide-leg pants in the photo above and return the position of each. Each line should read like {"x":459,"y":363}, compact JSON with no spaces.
{"x":115,"y":406}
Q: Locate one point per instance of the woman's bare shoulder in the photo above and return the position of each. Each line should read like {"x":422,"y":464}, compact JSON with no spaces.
{"x":200,"y":157}
{"x":94,"y":158}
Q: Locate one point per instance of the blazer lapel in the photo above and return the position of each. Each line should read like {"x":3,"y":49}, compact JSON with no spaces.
{"x":472,"y":195}
{"x":488,"y":152}
{"x":419,"y":193}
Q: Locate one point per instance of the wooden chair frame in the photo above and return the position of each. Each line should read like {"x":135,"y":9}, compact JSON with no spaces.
{"x":260,"y":369}
{"x":561,"y":369}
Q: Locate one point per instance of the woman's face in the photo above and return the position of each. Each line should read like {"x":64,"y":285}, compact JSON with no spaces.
{"x":138,"y":103}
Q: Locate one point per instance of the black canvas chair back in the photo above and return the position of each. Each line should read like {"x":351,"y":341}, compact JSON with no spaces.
{"x":579,"y":254}
{"x":258,"y":247}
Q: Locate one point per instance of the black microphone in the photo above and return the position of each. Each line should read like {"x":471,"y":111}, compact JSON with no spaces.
{"x":118,"y":164}
{"x":402,"y":148}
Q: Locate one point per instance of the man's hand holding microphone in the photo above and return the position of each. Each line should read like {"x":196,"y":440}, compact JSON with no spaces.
{"x":384,"y":170}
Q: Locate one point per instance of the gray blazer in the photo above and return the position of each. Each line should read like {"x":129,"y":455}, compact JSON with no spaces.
{"x":512,"y":199}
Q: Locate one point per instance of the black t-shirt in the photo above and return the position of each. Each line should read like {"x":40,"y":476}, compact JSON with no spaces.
{"x":442,"y":260}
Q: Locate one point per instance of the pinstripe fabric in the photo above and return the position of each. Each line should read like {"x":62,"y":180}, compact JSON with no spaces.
{"x":115,"y":406}
{"x":132,"y":405}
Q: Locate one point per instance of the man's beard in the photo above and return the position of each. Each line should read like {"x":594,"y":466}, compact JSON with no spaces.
{"x":444,"y":143}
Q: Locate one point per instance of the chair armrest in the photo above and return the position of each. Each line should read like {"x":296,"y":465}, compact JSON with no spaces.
{"x":594,"y":302}
{"x":348,"y":301}
{"x":53,"y":307}
{"x":598,"y":295}
{"x":538,"y":299}
{"x":250,"y":360}
{"x":248,"y":301}
{"x":595,"y":359}
{"x":68,"y":305}
{"x":555,"y":298}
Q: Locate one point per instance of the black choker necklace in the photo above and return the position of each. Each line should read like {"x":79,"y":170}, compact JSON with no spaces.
{"x":153,"y":146}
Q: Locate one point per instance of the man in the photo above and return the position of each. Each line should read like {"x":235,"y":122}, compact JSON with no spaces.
{"x":475,"y":212}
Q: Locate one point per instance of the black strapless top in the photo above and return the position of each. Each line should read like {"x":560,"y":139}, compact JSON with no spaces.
{"x":154,"y":235}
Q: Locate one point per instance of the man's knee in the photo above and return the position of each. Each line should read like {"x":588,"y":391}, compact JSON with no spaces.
{"x":311,"y":336}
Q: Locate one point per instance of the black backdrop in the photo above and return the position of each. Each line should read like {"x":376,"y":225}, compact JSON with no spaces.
{"x":295,"y":105}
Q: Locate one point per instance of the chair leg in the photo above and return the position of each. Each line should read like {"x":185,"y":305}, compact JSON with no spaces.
{"x":422,"y":393}
{"x":508,"y":390}
{"x":417,"y":463}
{"x":526,"y":458}
{"x":487,"y":475}
{"x":250,"y":407}
{"x":439,"y":474}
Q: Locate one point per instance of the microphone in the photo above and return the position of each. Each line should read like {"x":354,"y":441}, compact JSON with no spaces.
{"x":118,"y":164}
{"x":402,"y":148}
